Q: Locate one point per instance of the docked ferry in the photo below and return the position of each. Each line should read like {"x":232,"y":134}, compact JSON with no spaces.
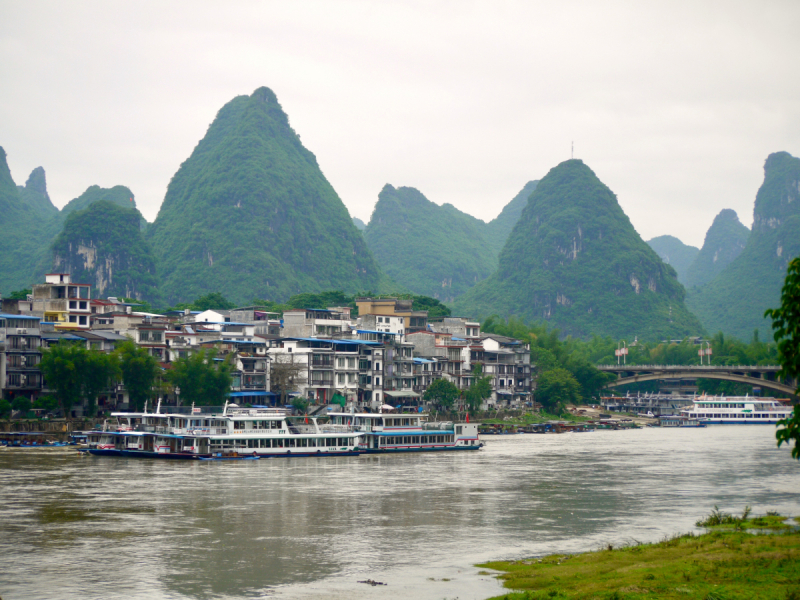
{"x":236,"y":432}
{"x":737,"y":410}
{"x":388,"y":433}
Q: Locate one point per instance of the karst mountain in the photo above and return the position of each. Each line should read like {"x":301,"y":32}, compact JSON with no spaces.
{"x":574,"y":261}
{"x":735,"y":300}
{"x":250,"y":214}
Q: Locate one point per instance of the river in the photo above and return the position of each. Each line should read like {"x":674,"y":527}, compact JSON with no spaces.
{"x":99,"y":527}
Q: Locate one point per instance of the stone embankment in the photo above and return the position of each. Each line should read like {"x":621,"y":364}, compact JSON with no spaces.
{"x":58,"y":428}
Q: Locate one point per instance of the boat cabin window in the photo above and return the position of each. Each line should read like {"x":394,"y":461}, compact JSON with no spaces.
{"x":238,"y":424}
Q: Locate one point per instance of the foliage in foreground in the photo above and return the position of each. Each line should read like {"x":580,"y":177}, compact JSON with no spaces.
{"x":729,"y":565}
{"x":786,"y":323}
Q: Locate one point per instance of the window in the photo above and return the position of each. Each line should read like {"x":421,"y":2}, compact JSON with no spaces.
{"x":144,"y":336}
{"x":377,"y":381}
{"x":82,"y":305}
{"x":351,"y":363}
{"x":82,"y":320}
{"x":340,"y":378}
{"x":156,"y":336}
{"x":73,"y":319}
{"x":377,"y":366}
{"x":73,"y":304}
{"x":340,"y":362}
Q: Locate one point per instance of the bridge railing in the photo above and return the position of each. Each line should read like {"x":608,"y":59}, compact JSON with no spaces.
{"x":656,"y":367}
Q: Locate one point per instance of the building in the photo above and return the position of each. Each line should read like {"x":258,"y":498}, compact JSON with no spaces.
{"x":20,"y":355}
{"x":62,"y":302}
{"x":414,"y":320}
{"x":316,"y":322}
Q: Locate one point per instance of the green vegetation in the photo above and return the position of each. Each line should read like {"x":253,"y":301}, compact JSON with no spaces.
{"x":139,"y":373}
{"x":575,"y":261}
{"x":786,"y":323}
{"x":34,"y":193}
{"x":103,"y":244}
{"x":735,"y":300}
{"x":557,"y":387}
{"x":23,"y":241}
{"x":201,"y":378}
{"x":720,"y":565}
{"x":478,"y":391}
{"x":674,"y":253}
{"x":250,"y":213}
{"x":434,"y":250}
{"x":360,"y":225}
{"x":5,"y":408}
{"x":725,"y":240}
{"x":722,"y":520}
{"x":498,"y":230}
{"x":442,"y":394}
{"x":300,"y":404}
{"x":437,"y":250}
{"x":76,"y":373}
{"x":19,"y":294}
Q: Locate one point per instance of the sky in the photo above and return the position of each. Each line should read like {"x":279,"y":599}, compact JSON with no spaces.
{"x":675,"y":105}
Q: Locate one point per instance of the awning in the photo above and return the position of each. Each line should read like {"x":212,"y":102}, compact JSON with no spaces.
{"x":408,"y":394}
{"x":253,"y":393}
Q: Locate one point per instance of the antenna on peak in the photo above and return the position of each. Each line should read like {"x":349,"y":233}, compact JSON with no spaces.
{"x":572,"y":152}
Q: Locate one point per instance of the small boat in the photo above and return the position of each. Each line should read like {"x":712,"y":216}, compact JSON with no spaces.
{"x":680,"y":421}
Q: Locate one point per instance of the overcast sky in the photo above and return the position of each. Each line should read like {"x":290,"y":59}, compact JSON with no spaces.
{"x":674,"y":105}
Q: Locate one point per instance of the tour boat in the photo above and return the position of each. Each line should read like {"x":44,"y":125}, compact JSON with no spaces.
{"x":235,"y":432}
{"x":388,"y":433}
{"x":737,"y":410}
{"x":680,"y":421}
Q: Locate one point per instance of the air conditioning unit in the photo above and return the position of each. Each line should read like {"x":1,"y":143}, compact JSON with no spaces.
{"x":23,"y":379}
{"x":22,"y":361}
{"x":22,"y":331}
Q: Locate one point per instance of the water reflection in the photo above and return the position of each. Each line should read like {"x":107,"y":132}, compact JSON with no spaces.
{"x":104,"y":527}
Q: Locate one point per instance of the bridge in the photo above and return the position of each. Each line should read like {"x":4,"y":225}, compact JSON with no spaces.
{"x":765,"y":376}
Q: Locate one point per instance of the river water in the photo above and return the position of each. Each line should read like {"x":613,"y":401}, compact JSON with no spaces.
{"x":98,"y":527}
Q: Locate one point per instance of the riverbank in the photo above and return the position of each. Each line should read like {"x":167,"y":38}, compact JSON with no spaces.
{"x":718,"y":565}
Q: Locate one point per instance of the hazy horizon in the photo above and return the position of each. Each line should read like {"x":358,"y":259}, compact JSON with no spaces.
{"x":675,"y":106}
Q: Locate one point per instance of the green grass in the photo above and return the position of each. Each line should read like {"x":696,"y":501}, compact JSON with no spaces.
{"x":722,"y":520}
{"x":533,"y":418}
{"x":720,"y":565}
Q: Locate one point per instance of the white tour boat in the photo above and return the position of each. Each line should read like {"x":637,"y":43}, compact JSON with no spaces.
{"x":387,"y":432}
{"x":737,"y":410}
{"x":235,"y":433}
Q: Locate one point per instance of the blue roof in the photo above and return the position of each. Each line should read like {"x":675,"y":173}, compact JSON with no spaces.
{"x":253,"y":393}
{"x":69,"y":336}
{"x":28,"y":317}
{"x":422,"y":360}
{"x":363,"y":342}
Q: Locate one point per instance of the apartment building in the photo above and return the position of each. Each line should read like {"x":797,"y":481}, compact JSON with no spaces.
{"x":62,"y":302}
{"x":20,"y":355}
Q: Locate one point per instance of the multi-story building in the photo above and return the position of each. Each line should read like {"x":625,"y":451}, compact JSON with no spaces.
{"x":508,"y":362}
{"x":20,"y":355}
{"x":62,"y":302}
{"x":413,"y":320}
{"x":316,"y":322}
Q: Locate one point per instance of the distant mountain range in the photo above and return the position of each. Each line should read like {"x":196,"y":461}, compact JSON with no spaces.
{"x":575,"y":261}
{"x":674,"y":253}
{"x":735,"y":299}
{"x":251,"y":215}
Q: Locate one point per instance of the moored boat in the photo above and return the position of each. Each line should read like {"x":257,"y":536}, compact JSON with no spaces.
{"x":737,"y":410}
{"x":235,"y":432}
{"x":407,"y":432}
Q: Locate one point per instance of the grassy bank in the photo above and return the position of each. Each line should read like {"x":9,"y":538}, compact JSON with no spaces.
{"x":533,"y":418}
{"x":719,"y":565}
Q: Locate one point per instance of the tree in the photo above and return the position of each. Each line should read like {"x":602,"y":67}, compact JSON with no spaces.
{"x":139,"y":370}
{"x":556,"y":388}
{"x":213,"y":301}
{"x":480,"y":390}
{"x":300,"y":404}
{"x":98,"y":371}
{"x":201,"y":378}
{"x":786,"y":326}
{"x":47,"y":403}
{"x":442,"y":393}
{"x":21,"y":404}
{"x":5,"y":407}
{"x":286,"y":374}
{"x":19,"y":294}
{"x":60,"y":366}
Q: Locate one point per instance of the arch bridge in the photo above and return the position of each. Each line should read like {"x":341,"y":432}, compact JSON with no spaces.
{"x":765,"y":376}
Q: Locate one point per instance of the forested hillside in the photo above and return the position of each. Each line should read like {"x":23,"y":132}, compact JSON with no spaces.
{"x":434,"y":250}
{"x":21,"y":240}
{"x":34,"y":193}
{"x":674,"y":253}
{"x":251,"y":213}
{"x":725,"y":240}
{"x":575,"y":261}
{"x":499,"y":228}
{"x":103,"y":245}
{"x":437,"y":250}
{"x":735,"y":300}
